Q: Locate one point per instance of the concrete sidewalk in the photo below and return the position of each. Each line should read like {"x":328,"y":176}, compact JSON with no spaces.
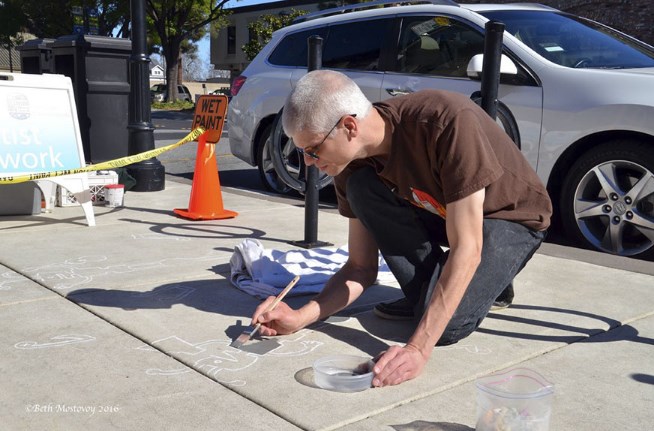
{"x":127,"y":326}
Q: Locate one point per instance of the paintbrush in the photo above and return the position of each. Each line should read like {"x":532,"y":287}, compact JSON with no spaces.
{"x":249,"y":333}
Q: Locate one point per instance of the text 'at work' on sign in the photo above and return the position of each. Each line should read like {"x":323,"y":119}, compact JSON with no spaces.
{"x":23,"y":149}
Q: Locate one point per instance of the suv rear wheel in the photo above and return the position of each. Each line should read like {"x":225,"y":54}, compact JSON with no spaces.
{"x":267,"y":173}
{"x":288,"y":162}
{"x":607,"y":200}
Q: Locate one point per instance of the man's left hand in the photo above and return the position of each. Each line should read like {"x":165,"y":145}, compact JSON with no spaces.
{"x":398,"y":364}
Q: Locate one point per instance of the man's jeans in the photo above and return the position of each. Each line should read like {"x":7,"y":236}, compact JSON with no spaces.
{"x":409,"y":238}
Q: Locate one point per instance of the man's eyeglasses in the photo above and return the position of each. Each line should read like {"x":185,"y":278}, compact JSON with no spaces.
{"x":312,"y":151}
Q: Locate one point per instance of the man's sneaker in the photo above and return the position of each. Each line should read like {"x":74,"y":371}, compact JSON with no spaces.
{"x":504,"y":300}
{"x":401,"y":309}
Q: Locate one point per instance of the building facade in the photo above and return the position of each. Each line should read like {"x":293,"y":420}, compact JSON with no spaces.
{"x":225,"y":45}
{"x":9,"y":60}
{"x":633,"y":17}
{"x":157,"y":73}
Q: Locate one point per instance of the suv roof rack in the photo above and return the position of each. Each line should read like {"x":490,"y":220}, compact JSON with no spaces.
{"x":368,"y":5}
{"x":532,"y":4}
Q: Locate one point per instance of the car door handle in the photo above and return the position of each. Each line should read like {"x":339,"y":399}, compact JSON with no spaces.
{"x":397,"y":92}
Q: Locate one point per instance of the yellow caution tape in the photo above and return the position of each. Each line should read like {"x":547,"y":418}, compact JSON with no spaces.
{"x":111,"y":164}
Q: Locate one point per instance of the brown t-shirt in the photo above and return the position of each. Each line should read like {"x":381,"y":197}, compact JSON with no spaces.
{"x":444,"y":148}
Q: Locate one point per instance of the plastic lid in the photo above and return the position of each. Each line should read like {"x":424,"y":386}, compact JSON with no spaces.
{"x":516,"y":383}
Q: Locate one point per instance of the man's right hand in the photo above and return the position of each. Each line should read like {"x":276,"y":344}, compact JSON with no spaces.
{"x":280,"y":321}
{"x":341,"y":290}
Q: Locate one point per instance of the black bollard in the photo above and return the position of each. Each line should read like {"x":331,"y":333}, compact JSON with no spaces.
{"x":312,"y":192}
{"x":490,"y":77}
{"x":149,"y":174}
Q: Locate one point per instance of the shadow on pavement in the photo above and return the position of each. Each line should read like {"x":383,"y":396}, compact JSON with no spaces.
{"x":208,"y":229}
{"x":616,"y":331}
{"x":212,"y":296}
{"x":431,"y":426}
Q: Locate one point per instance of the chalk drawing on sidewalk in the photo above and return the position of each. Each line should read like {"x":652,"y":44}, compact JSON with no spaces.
{"x":168,"y":294}
{"x":218,"y":360}
{"x":8,"y":278}
{"x":58,"y":341}
{"x":83,"y":270}
{"x":297,"y":347}
{"x":470,"y":348}
{"x":158,"y":237}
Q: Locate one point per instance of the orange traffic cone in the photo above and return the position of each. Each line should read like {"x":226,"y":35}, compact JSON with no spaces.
{"x":206,"y":201}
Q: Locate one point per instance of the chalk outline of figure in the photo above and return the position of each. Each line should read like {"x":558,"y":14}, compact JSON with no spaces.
{"x":10,"y":277}
{"x":226,"y":359}
{"x":157,"y":236}
{"x":167,"y":293}
{"x":470,"y":348}
{"x":72,"y":269}
{"x":186,"y":350}
{"x":61,"y":340}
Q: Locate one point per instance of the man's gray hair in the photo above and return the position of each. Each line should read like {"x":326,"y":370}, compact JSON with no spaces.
{"x":319,"y":99}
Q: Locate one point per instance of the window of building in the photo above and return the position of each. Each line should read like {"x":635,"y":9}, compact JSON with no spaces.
{"x":231,"y":39}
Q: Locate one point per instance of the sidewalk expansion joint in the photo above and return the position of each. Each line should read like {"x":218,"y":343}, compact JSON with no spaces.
{"x":27,"y":301}
{"x":61,"y":295}
{"x":474,"y":377}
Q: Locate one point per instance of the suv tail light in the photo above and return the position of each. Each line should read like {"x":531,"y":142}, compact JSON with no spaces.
{"x":237,"y":84}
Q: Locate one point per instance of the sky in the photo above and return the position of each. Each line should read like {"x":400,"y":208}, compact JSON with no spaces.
{"x":238,"y":3}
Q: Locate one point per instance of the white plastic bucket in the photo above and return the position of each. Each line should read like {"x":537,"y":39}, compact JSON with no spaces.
{"x":113,"y":195}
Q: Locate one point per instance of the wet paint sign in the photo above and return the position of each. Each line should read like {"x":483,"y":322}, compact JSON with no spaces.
{"x":210,"y":114}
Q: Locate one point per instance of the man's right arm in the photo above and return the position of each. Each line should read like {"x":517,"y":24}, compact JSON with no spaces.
{"x":343,"y":288}
{"x":359,"y":272}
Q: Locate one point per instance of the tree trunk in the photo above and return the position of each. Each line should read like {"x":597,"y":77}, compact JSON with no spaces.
{"x":172,"y":61}
{"x":171,"y":82}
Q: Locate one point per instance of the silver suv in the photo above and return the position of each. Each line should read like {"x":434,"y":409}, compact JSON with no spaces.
{"x":159,"y":92}
{"x":579,"y":102}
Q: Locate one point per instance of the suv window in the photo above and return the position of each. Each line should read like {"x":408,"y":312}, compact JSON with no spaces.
{"x":293,"y":50}
{"x":355,"y":45}
{"x":573,"y":41}
{"x":437,"y":45}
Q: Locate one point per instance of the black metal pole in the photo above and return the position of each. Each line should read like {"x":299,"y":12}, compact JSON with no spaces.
{"x":312,"y":193}
{"x":490,"y":76}
{"x":149,"y":174}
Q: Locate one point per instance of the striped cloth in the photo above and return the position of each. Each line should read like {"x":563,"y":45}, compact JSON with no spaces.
{"x":262,"y":273}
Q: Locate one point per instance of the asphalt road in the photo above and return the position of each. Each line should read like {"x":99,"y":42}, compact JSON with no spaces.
{"x":172,"y":126}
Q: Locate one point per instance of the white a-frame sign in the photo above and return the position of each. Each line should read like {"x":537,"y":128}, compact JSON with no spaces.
{"x":39,"y":132}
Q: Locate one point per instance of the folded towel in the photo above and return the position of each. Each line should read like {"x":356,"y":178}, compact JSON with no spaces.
{"x":264,"y":273}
